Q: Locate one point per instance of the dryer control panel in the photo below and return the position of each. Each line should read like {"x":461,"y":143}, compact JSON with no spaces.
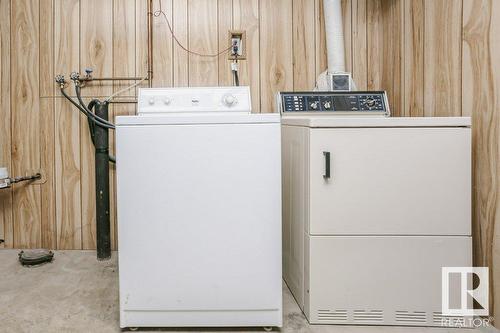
{"x":347,"y":102}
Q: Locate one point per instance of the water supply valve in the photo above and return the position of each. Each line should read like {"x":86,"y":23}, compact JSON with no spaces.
{"x":60,"y":80}
{"x":74,"y":76}
{"x":88,"y":72}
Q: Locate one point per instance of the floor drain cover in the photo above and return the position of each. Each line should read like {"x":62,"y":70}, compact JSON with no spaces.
{"x":35,"y":257}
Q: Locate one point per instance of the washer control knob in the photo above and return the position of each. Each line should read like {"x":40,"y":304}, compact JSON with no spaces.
{"x":151,"y":101}
{"x":370,"y":102}
{"x":167,"y":101}
{"x":314,"y":105}
{"x":229,"y":100}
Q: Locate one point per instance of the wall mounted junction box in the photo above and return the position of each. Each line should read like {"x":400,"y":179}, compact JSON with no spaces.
{"x":238,"y":38}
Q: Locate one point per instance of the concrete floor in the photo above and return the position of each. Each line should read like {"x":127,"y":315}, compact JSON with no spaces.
{"x":76,"y":293}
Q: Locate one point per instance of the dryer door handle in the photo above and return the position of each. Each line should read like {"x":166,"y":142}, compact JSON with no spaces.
{"x":326,"y":155}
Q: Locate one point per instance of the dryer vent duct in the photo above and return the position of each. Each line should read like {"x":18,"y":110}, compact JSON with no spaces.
{"x":334,"y":36}
{"x":335,"y":78}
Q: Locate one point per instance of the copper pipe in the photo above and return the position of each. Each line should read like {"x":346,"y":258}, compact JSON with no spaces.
{"x":123,"y":102}
{"x":150,"y":43}
{"x":150,"y":57}
{"x":114,"y":78}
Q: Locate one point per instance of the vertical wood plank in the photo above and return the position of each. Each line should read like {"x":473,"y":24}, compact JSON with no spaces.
{"x":320,"y":33}
{"x":67,"y":130}
{"x":442,"y":58}
{"x":47,"y":156}
{"x":480,"y":98}
{"x":96,"y":52}
{"x":304,"y":62}
{"x":276,"y":69}
{"x":96,"y":49}
{"x":162,"y":47}
{"x":394,"y":47}
{"x":66,"y":37}
{"x":414,"y":23}
{"x":202,"y":34}
{"x":25,"y":120}
{"x":87,"y":182}
{"x":124,"y":43}
{"x":47,"y":85}
{"x":124,"y":46}
{"x":374,"y":44}
{"x":180,"y":56}
{"x":141,"y":39}
{"x":347,"y":22}
{"x":224,"y":24}
{"x":6,"y":225}
{"x":246,"y":17}
{"x":385,"y":50}
{"x":67,"y":169}
{"x":359,"y":51}
{"x":47,"y":123}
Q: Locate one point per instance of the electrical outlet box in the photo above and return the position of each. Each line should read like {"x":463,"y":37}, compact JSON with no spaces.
{"x":237,"y":38}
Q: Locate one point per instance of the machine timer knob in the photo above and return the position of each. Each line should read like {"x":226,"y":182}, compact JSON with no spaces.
{"x":229,"y":100}
{"x":327,"y":105}
{"x":370,"y":102}
{"x":314,"y":105}
{"x":166,"y":101}
{"x":151,"y":101}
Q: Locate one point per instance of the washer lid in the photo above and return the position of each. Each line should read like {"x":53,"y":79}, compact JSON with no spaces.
{"x":335,"y":122}
{"x":193,"y":119}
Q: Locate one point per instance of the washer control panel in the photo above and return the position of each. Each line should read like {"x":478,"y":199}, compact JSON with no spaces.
{"x":351,"y":102}
{"x":194,"y":100}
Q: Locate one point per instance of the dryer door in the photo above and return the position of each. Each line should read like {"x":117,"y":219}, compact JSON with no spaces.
{"x":390,"y":181}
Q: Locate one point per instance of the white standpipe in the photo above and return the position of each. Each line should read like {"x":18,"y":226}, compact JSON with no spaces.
{"x":334,"y":36}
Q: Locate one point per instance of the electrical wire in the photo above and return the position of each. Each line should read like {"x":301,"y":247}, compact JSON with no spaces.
{"x":121,"y":91}
{"x":234,"y":67}
{"x":160,"y":11}
{"x":236,"y":78}
{"x":157,"y":13}
{"x":97,"y":120}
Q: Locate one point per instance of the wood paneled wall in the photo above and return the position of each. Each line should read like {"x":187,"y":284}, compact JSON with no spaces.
{"x":434,"y":57}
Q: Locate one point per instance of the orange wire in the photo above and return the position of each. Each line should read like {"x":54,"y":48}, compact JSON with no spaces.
{"x":161,"y":12}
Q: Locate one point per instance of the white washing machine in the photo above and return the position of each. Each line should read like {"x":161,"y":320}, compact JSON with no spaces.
{"x":373,"y":208}
{"x":199,"y":210}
